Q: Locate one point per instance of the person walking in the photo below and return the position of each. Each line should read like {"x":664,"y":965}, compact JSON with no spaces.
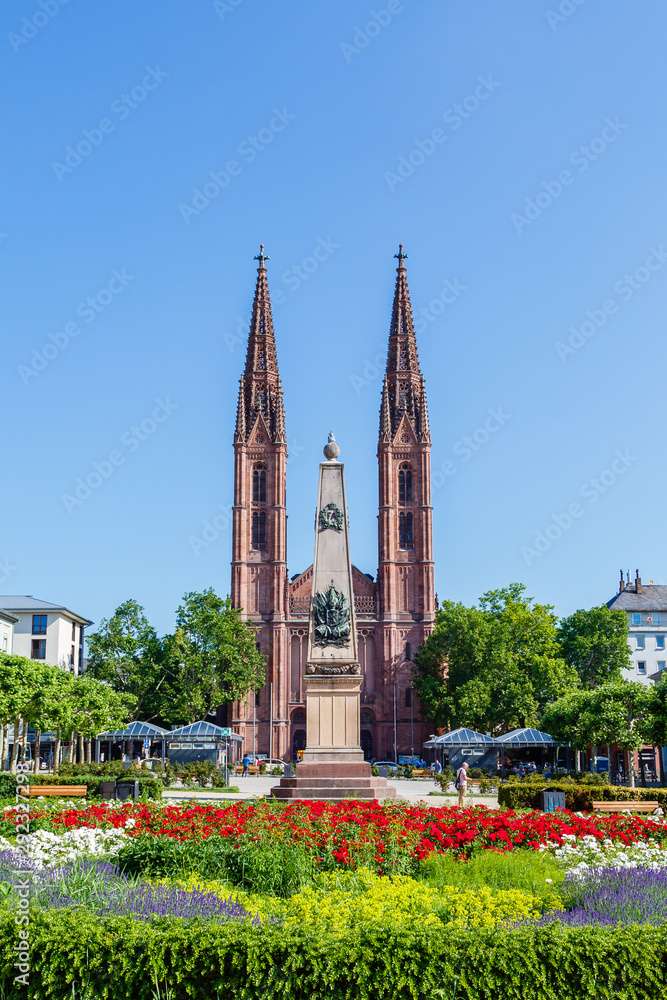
{"x":461,"y":783}
{"x":246,"y":765}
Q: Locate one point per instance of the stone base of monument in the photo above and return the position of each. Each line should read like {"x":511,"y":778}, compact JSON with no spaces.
{"x":333,"y":780}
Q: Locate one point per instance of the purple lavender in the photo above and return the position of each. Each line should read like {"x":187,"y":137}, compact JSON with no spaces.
{"x":144,"y":901}
{"x":614,"y":896}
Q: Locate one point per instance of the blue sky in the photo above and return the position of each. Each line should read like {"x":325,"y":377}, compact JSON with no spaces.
{"x":516,"y":149}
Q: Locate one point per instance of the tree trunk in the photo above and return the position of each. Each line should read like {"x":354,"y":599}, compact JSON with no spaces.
{"x":2,"y":748}
{"x":15,"y":745}
{"x":609,"y":763}
{"x":87,"y":750}
{"x":81,"y":756}
{"x":631,"y":768}
{"x":72,"y":745}
{"x":37,"y":750}
{"x":57,"y":747}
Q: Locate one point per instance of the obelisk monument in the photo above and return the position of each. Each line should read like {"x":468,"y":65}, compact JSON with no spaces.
{"x":333,"y":680}
{"x":333,"y":765}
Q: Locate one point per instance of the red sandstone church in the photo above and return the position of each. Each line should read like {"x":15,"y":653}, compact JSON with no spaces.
{"x":395,"y":612}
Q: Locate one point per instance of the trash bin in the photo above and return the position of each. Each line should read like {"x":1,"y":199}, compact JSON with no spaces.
{"x":552,"y":800}
{"x":383,"y":771}
{"x":108,"y":789}
{"x":127,"y":789}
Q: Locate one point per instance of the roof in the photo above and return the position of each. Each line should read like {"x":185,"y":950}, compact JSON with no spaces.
{"x":527,"y":737}
{"x":134,"y":730}
{"x":203,"y":730}
{"x":26,"y":602}
{"x":460,"y":737}
{"x":7,"y":617}
{"x":653,"y":597}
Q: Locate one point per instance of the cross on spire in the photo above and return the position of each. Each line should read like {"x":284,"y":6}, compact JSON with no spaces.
{"x":400,"y":256}
{"x":261,"y":257}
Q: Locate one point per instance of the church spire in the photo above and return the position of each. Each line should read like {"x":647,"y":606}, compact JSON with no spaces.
{"x":403,"y":390}
{"x":260,"y":393}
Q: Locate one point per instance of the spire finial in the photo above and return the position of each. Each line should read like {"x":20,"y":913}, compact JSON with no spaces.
{"x":261,"y":257}
{"x":400,"y":257}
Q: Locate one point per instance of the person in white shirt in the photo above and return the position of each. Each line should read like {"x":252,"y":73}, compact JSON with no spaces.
{"x":461,"y":783}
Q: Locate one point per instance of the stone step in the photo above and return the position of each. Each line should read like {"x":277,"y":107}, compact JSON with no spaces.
{"x":327,"y":782}
{"x":367,"y":794}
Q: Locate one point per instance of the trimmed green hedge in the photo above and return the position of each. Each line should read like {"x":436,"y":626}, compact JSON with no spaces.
{"x":150,"y":787}
{"x":578,"y":797}
{"x":76,"y":954}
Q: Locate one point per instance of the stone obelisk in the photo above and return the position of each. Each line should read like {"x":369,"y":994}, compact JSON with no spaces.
{"x":333,"y":681}
{"x":333,"y":765}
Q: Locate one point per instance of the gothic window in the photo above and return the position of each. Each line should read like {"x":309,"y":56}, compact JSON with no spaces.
{"x":405,"y":484}
{"x":408,"y":651}
{"x":405,"y":531}
{"x":408,"y":697}
{"x":259,"y":484}
{"x":258,"y":529}
{"x":261,"y":401}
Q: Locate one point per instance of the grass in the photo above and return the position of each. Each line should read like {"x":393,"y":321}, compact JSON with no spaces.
{"x":535,"y":872}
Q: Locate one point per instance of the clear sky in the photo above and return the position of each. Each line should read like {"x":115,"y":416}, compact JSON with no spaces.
{"x":518,"y":151}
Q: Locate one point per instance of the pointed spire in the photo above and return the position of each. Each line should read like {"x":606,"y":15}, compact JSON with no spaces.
{"x":385,"y":414}
{"x":261,"y":390}
{"x":404,"y":383}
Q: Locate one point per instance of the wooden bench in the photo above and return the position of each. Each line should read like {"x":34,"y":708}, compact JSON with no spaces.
{"x":64,"y":791}
{"x":639,"y":806}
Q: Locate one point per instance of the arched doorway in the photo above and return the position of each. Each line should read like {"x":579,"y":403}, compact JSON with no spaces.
{"x":366,"y":736}
{"x":298,"y":730}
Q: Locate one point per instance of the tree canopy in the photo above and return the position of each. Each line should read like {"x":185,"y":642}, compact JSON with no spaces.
{"x":495,"y":666}
{"x":595,"y":643}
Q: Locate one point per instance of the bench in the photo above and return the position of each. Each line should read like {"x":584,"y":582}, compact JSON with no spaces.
{"x":64,"y":791}
{"x":640,"y":806}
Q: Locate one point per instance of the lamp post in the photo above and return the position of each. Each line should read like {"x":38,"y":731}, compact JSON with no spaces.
{"x":395,"y":727}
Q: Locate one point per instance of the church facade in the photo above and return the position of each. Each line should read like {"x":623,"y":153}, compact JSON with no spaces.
{"x":395,"y":611}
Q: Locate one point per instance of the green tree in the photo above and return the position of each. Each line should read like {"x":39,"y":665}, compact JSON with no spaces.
{"x":493,"y":667}
{"x":125,"y":652}
{"x":616,"y":714}
{"x":211,"y":659}
{"x":595,"y":643}
{"x":97,"y":708}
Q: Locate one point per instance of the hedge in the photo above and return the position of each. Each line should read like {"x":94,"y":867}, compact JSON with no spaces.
{"x":578,"y":797}
{"x":74,"y":953}
{"x":150,"y":787}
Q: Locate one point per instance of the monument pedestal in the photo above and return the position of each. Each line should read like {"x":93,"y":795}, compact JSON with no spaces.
{"x":333,"y":765}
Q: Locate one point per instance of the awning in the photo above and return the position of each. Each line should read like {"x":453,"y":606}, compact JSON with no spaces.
{"x":135,"y":731}
{"x":527,"y":737}
{"x":462,"y":737}
{"x":203,"y":730}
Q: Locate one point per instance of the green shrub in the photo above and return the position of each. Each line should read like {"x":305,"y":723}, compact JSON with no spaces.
{"x":77,"y":955}
{"x":534,"y":872}
{"x":274,"y":867}
{"x":7,"y":786}
{"x":578,"y":796}
{"x":150,"y":786}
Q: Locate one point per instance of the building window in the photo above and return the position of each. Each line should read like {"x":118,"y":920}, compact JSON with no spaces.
{"x":39,"y":624}
{"x":258,"y":529}
{"x":405,"y":531}
{"x":659,"y":642}
{"x":636,"y":619}
{"x":72,"y":656}
{"x":73,"y":631}
{"x":661,"y":664}
{"x":405,"y":484}
{"x":641,"y":666}
{"x":259,"y":484}
{"x":408,"y":697}
{"x":38,"y":649}
{"x":408,"y":651}
{"x":257,"y":699}
{"x":641,"y":642}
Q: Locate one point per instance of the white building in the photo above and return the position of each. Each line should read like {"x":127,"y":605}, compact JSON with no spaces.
{"x":45,"y":631}
{"x":7,"y":623}
{"x":646,"y":607}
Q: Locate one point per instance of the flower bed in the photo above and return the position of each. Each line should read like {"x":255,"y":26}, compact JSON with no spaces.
{"x":347,"y":899}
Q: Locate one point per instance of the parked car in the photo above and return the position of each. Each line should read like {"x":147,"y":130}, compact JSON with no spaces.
{"x":391,"y":765}
{"x":412,"y":760}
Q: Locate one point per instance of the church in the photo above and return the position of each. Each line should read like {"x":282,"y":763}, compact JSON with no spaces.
{"x":395,"y":611}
